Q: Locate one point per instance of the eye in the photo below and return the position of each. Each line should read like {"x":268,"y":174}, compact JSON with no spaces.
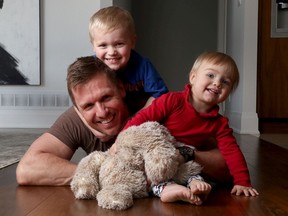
{"x":87,"y":106}
{"x":120,"y":44}
{"x":226,"y":82}
{"x":106,"y":98}
{"x":210,"y":75}
{"x":103,"y":46}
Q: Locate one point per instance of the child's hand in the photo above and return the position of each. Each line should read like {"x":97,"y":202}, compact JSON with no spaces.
{"x":247,"y":191}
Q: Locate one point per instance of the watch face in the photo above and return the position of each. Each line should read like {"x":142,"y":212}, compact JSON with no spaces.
{"x":186,"y":152}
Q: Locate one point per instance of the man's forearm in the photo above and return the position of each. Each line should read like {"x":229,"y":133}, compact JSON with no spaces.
{"x":45,"y":169}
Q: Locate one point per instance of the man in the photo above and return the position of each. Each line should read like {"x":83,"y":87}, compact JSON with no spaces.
{"x":98,"y":96}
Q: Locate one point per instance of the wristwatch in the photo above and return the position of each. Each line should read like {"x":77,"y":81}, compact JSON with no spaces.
{"x":187,"y":153}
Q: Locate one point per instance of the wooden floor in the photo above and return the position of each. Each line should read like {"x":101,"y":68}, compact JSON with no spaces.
{"x":268,"y":165}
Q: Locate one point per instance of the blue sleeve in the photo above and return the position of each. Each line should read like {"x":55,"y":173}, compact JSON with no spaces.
{"x":143,"y":76}
{"x":153,"y":82}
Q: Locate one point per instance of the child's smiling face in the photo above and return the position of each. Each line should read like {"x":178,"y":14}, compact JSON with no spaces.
{"x":211,"y":85}
{"x":113,"y":47}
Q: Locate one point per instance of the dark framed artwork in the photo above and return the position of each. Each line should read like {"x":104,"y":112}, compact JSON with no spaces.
{"x":20,"y":42}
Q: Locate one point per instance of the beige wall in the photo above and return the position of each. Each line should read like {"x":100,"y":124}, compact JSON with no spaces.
{"x":65,"y":37}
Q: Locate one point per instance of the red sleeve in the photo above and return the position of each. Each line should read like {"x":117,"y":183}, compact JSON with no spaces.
{"x":232,"y":154}
{"x":157,"y":111}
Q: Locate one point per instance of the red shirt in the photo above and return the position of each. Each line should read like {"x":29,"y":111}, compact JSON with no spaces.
{"x":174,"y":111}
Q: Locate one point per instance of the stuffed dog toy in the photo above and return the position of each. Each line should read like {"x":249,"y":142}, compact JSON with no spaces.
{"x":144,"y":152}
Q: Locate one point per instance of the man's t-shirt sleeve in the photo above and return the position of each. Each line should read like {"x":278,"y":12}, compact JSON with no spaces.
{"x":70,"y":129}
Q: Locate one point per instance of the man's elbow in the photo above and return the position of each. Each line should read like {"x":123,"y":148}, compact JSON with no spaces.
{"x":22,"y":177}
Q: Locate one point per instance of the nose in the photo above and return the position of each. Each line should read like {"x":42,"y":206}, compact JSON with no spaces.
{"x":217,"y":83}
{"x":100,"y":110}
{"x":112,"y":50}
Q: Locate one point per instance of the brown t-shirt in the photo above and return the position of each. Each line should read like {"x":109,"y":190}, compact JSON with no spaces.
{"x":70,"y":129}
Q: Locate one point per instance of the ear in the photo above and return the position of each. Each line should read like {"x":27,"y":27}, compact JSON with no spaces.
{"x":192,"y":77}
{"x":93,"y":48}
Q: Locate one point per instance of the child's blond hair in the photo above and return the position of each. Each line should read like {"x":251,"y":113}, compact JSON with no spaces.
{"x":111,"y":18}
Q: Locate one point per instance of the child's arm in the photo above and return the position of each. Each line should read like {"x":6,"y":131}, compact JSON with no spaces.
{"x":156,"y":111}
{"x":247,"y":191}
{"x":233,"y":155}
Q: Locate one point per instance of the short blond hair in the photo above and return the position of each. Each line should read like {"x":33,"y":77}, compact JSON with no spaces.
{"x":111,"y":18}
{"x":218,"y":58}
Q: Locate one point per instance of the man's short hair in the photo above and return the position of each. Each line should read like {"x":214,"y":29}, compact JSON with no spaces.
{"x":84,"y":69}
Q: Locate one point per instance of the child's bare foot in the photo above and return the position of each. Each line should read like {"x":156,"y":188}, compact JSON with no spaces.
{"x":200,"y":188}
{"x":175,"y":192}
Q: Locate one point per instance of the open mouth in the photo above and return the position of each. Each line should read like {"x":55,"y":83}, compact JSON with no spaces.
{"x":107,"y":120}
{"x":213,"y":91}
{"x":112,"y":60}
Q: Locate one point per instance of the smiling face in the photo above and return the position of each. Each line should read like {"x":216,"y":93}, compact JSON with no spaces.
{"x":113,"y":47}
{"x":211,"y":85}
{"x":101,"y":104}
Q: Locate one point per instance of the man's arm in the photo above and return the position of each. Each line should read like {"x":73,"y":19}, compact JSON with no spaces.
{"x":214,"y":165}
{"x":47,"y":162}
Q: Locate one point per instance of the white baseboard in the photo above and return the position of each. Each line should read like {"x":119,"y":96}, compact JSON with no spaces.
{"x":32,"y":118}
{"x":243,"y":123}
{"x":27,"y":109}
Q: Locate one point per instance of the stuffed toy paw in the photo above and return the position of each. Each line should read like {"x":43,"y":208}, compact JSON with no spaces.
{"x":85,"y":183}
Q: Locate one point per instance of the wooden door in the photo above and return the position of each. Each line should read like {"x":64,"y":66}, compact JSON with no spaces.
{"x":272,"y":80}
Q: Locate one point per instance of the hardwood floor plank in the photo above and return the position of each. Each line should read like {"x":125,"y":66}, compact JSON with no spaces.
{"x":267,"y":165}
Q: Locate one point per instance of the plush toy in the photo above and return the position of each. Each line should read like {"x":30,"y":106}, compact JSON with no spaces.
{"x":147,"y":151}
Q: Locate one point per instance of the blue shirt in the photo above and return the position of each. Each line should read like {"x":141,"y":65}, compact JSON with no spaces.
{"x":140,"y":75}
{"x":141,"y":81}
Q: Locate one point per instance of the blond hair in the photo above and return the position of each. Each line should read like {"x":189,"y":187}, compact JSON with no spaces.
{"x":218,"y":58}
{"x":111,"y":18}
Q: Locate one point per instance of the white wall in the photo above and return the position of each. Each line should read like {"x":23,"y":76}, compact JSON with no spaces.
{"x":64,"y":29}
{"x":65,"y":37}
{"x":242,"y":22}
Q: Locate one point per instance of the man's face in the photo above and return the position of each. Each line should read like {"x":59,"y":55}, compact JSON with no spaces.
{"x":101,"y":104}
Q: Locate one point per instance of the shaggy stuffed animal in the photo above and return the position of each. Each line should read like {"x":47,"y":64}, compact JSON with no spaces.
{"x":144,"y":152}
